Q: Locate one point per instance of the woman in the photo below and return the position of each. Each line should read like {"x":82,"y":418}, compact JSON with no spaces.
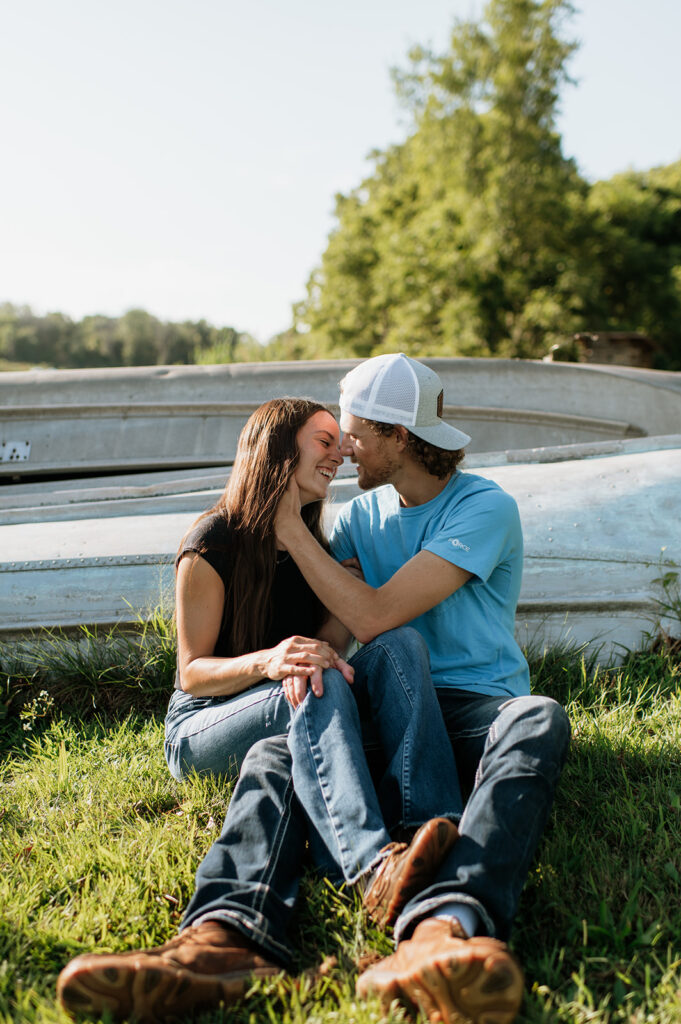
{"x":250,"y":630}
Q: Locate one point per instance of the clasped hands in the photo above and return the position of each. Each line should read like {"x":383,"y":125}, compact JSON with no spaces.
{"x":300,"y":660}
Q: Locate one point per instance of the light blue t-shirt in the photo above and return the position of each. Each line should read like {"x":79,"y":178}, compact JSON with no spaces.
{"x":474,"y":524}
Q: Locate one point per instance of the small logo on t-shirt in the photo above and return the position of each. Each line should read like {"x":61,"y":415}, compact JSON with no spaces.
{"x":456,"y":543}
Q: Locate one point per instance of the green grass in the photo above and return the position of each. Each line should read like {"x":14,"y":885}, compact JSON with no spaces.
{"x":98,"y":844}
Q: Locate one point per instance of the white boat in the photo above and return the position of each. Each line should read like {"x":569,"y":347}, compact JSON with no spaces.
{"x":598,"y":490}
{"x":600,"y":520}
{"x":69,"y":422}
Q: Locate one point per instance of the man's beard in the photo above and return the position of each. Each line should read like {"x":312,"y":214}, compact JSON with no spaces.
{"x":376,"y":476}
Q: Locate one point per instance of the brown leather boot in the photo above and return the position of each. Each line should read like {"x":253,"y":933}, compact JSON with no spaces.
{"x":407,"y":869}
{"x":449,"y":978}
{"x":198,"y":969}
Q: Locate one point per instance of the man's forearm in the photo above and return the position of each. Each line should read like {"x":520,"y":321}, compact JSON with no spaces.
{"x":354,"y":602}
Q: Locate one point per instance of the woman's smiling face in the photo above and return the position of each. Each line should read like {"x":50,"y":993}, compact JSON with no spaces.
{"x":319,"y":447}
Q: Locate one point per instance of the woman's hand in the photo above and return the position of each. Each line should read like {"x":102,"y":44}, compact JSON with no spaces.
{"x":298,"y":656}
{"x":295,"y":687}
{"x":345,"y":669}
{"x":288,"y":511}
{"x":353,"y":567}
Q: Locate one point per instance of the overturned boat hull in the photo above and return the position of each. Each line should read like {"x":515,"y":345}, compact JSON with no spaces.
{"x":70,"y":422}
{"x":600,"y":521}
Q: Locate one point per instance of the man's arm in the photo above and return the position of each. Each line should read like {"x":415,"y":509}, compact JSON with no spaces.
{"x":421,"y":583}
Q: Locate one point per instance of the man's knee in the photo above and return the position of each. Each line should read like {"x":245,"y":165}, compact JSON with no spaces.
{"x":541,"y":718}
{"x":553,"y":722}
{"x":338,"y":700}
{"x":403,"y":642}
{"x":336,"y":690}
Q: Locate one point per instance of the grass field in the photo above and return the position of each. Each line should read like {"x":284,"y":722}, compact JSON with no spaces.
{"x":99,"y":845}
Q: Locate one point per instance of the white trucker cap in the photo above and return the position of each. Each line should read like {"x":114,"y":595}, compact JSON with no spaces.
{"x":396,"y":389}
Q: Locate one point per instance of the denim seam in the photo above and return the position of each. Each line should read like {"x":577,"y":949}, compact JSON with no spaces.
{"x":406,"y":760}
{"x":276,"y":846}
{"x":323,"y":787}
{"x":492,"y":737}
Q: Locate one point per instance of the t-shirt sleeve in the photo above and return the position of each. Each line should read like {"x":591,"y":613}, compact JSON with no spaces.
{"x":340,"y":540}
{"x":212,"y":540}
{"x":479,"y":533}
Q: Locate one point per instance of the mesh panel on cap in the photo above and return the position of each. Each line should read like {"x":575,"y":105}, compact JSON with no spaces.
{"x":399,"y":391}
{"x":365,"y":394}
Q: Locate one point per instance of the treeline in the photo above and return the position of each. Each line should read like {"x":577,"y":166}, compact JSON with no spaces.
{"x":476,"y":235}
{"x":135,"y":339}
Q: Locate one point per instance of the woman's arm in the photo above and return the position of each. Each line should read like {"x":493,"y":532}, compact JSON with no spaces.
{"x":200,"y":598}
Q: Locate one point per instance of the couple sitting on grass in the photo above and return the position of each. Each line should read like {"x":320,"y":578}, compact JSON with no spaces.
{"x":424,"y":570}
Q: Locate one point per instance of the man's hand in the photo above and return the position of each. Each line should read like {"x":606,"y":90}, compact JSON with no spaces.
{"x":288,"y":511}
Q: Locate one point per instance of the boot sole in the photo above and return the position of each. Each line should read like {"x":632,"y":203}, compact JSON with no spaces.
{"x":384,"y":902}
{"x":149,"y":993}
{"x":481,"y":983}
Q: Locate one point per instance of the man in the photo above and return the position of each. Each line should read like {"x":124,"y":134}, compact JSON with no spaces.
{"x":442,"y":550}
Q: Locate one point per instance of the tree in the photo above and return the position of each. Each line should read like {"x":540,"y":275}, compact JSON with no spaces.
{"x":635,"y":248}
{"x":135,"y":339}
{"x":465,"y":239}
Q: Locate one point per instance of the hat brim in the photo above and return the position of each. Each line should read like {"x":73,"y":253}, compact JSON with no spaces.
{"x":442,"y":435}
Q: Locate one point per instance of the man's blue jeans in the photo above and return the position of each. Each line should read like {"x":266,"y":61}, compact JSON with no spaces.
{"x":509,"y":754}
{"x":392,"y":704}
{"x":314,"y":783}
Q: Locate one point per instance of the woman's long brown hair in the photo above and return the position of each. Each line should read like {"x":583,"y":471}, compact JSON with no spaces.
{"x":266,"y":457}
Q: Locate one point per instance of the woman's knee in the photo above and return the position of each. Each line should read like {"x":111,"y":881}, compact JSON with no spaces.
{"x":184,"y":762}
{"x":271,"y":753}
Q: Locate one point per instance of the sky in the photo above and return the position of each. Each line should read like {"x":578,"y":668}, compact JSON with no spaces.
{"x":182,"y":156}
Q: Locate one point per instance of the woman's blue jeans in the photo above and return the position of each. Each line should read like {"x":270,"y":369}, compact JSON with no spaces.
{"x":212,"y":735}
